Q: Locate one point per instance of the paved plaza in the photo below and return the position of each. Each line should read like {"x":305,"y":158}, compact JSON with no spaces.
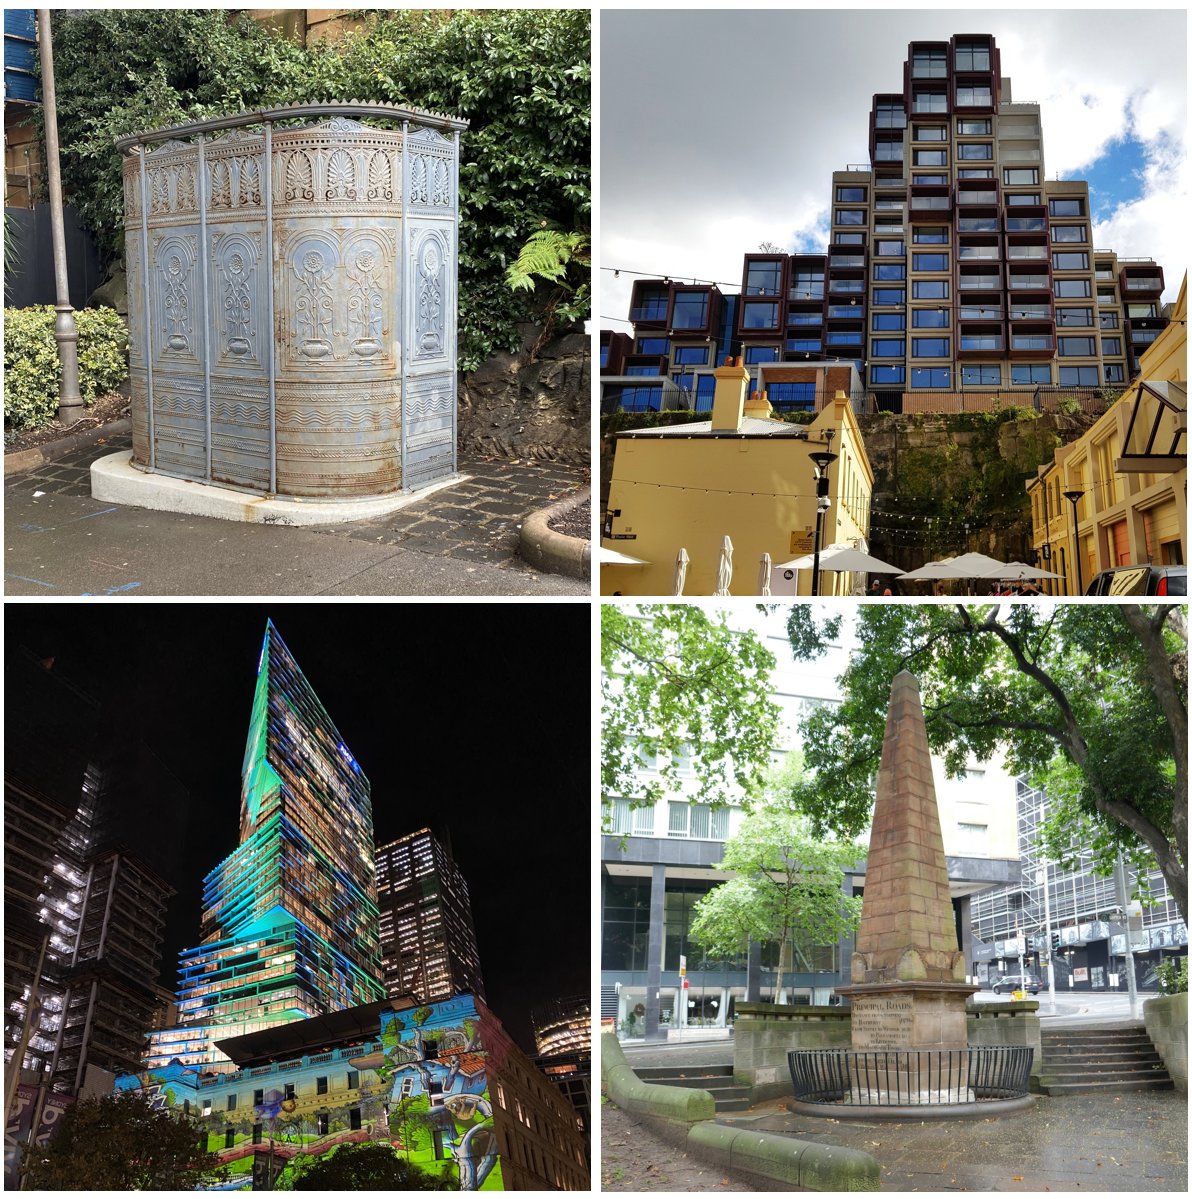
{"x":460,"y":541}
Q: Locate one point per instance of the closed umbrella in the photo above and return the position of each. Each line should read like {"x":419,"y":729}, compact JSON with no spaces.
{"x":763,"y":576}
{"x":724,"y":573}
{"x":681,"y":562}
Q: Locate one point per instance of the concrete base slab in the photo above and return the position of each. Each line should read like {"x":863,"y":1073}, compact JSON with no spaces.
{"x":115,"y":480}
{"x":977,"y":1110}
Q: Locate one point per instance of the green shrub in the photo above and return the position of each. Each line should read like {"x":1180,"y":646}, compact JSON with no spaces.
{"x":1173,"y":976}
{"x":32,"y":370}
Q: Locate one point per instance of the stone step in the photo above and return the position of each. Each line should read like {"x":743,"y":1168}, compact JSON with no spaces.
{"x":1063,"y":1073}
{"x":677,"y":1076}
{"x":1105,"y":1055}
{"x":1087,"y":1087}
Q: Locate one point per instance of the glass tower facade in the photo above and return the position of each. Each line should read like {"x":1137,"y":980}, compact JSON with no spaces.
{"x":289,"y":926}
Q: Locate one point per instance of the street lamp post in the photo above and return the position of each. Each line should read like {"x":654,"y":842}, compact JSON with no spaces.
{"x":66,"y":332}
{"x":1073,"y":497}
{"x":821,"y":459}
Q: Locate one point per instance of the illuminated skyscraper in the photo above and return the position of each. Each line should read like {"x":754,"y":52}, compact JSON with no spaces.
{"x":289,"y":926}
{"x":428,"y":941}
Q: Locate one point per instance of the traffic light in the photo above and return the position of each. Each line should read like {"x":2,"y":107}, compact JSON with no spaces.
{"x":1055,"y":942}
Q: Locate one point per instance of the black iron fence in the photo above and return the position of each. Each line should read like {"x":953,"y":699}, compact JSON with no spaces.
{"x":896,"y":1077}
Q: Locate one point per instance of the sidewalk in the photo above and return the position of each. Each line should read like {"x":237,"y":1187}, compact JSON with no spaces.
{"x":463,"y":540}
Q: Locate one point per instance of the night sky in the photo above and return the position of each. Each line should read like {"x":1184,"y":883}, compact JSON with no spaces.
{"x":472,"y":719}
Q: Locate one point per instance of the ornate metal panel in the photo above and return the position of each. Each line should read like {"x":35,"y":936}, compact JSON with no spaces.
{"x":314,"y":224}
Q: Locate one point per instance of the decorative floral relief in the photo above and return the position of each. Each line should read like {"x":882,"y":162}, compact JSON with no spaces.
{"x":365,"y":305}
{"x":418,"y":173}
{"x":380,"y":177}
{"x":159,"y":192}
{"x":237,"y":304}
{"x":299,"y":177}
{"x":313,"y":305}
{"x":221,"y":185}
{"x":176,"y":301}
{"x":186,"y":188}
{"x":341,"y":177}
{"x":429,"y":331}
{"x":250,"y":181}
{"x":442,"y":192}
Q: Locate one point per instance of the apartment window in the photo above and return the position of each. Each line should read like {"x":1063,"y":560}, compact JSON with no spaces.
{"x":1134,"y":311}
{"x":889,"y":249}
{"x":929,"y":318}
{"x":887,"y":375}
{"x":652,"y":345}
{"x":888,"y":347}
{"x":844,"y":339}
{"x":1064,"y":233}
{"x":321,"y":1083}
{"x":803,"y":345}
{"x":231,"y":1103}
{"x":929,"y":289}
{"x":759,"y":314}
{"x":1025,"y":224}
{"x":849,"y":239}
{"x":883,"y":321}
{"x":929,"y":262}
{"x":850,"y":195}
{"x":690,"y":310}
{"x":931,"y":376}
{"x":977,"y":224}
{"x":980,"y":341}
{"x":981,"y":151}
{"x":980,"y":376}
{"x":784,"y":397}
{"x":931,"y":158}
{"x":978,"y":126}
{"x":1073,"y":289}
{"x":931,"y":133}
{"x":1107,"y":320}
{"x":973,"y":97}
{"x":1020,"y":176}
{"x":931,"y":347}
{"x":889,"y":114}
{"x":1111,"y":345}
{"x":691,"y":356}
{"x":972,"y":56}
{"x":1031,"y":341}
{"x":1066,"y":207}
{"x":930,"y":235}
{"x":929,"y":179}
{"x":643,"y":821}
{"x":759,"y":354}
{"x":889,"y":295}
{"x":1023,"y":198}
{"x":887,"y":152}
{"x":1078,"y":376}
{"x":923,"y":100}
{"x":1070,"y":261}
{"x":804,"y":318}
{"x":1074,"y":317}
{"x":1115,"y":372}
{"x":929,"y":64}
{"x":975,"y":173}
{"x":889,"y":270}
{"x":1034,"y":373}
{"x":850,"y":216}
{"x":1077,"y":347}
{"x":808,"y":285}
{"x":762,"y":278}
{"x":700,"y":821}
{"x":643,"y":370}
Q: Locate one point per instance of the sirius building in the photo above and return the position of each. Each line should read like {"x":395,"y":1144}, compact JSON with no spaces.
{"x":289,"y":925}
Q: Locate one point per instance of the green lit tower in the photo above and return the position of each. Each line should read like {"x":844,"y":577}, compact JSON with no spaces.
{"x":289,"y":927}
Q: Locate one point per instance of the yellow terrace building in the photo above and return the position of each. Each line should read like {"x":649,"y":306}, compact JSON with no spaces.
{"x":742,"y":474}
{"x":1120,"y":493}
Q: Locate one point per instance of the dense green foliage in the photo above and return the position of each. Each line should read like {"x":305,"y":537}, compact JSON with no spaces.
{"x":1090,"y":701}
{"x":1173,"y":976}
{"x":121,"y":1143}
{"x":365,"y":1167}
{"x":677,"y":682}
{"x":520,"y":77}
{"x":32,"y":370}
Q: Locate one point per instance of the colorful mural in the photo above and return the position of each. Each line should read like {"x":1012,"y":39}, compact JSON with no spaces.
{"x":422,"y":1088}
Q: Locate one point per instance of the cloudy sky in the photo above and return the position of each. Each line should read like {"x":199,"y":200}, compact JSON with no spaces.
{"x":721,"y":129}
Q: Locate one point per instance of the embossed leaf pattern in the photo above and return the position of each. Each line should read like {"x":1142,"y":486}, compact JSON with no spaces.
{"x":250,"y":182}
{"x":442,"y":184}
{"x":186,"y":188}
{"x":299,"y":177}
{"x":418,"y":180}
{"x":341,"y":177}
{"x":380,"y":184}
{"x":160,"y":192}
{"x":221,"y":187}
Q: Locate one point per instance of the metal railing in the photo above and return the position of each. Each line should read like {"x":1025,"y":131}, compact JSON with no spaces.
{"x":897,"y":1077}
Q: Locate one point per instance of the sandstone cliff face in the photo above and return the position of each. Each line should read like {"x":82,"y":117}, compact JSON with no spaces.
{"x":512,"y":407}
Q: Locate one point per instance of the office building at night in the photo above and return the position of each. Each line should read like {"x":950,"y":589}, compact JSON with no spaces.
{"x":289,"y":926}
{"x":956,"y":271}
{"x":563,"y":1036}
{"x":428,"y":942}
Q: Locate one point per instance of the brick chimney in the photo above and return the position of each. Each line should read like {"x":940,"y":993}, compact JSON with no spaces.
{"x":728,"y":403}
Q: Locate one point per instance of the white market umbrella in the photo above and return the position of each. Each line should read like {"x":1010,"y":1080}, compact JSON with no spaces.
{"x":607,"y":557}
{"x":843,"y":557}
{"x":763,"y":575}
{"x":724,"y":572}
{"x":976,"y":566}
{"x":681,"y":562}
{"x":1020,"y":570}
{"x":935,"y":570}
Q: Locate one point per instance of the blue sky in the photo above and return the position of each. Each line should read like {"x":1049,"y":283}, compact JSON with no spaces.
{"x":721,"y":129}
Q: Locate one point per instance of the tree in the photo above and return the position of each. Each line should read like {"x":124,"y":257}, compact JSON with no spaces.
{"x":367,"y":1167}
{"x":676,"y":679}
{"x":521,"y":77}
{"x":788,"y":883}
{"x":121,"y":1143}
{"x":1089,"y":701}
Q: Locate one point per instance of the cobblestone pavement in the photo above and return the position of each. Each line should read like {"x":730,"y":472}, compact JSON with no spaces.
{"x":476,"y":521}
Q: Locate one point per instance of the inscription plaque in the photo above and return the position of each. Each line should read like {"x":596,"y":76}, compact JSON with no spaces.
{"x":882,"y":1022}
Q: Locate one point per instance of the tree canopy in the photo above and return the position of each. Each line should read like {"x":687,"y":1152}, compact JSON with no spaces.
{"x":1089,"y":701}
{"x":521,"y":77}
{"x":121,"y":1143}
{"x":365,"y":1167}
{"x":676,"y":681}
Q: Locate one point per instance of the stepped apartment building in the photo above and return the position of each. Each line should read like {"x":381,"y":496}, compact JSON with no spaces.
{"x":955,"y":270}
{"x":428,"y":941}
{"x":289,"y":926}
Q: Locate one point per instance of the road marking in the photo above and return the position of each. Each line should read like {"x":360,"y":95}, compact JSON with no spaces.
{"x":26,"y":579}
{"x":114,"y":590}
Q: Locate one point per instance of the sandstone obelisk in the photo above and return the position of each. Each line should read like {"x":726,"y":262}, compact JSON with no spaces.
{"x":908,"y":978}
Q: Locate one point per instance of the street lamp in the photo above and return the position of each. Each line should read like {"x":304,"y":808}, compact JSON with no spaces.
{"x":1073,"y":498}
{"x":821,"y":459}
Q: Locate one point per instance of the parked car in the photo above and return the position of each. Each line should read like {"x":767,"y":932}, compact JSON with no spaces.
{"x":1150,"y":579}
{"x":1015,"y":982}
